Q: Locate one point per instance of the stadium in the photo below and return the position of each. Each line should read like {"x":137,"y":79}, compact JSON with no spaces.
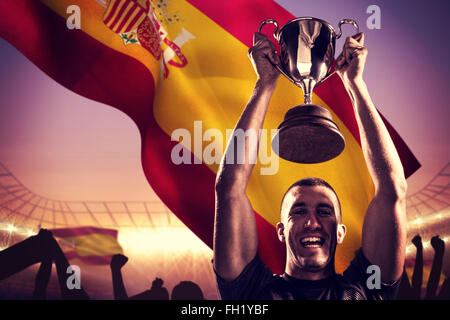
{"x":155,"y":241}
{"x":159,"y":245}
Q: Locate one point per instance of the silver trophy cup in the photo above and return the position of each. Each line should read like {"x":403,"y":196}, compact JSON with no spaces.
{"x":308,"y":133}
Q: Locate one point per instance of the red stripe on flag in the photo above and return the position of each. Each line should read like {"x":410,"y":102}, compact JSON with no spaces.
{"x":82,"y":231}
{"x":242,"y":18}
{"x":409,"y":161}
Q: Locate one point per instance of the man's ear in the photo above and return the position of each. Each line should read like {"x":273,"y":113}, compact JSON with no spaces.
{"x":341,"y":230}
{"x":280,"y":232}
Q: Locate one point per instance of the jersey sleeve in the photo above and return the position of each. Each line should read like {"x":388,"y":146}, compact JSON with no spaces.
{"x":359,"y":274}
{"x":249,"y":284}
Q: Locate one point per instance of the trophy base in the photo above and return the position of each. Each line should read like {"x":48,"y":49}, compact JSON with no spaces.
{"x":308,"y":135}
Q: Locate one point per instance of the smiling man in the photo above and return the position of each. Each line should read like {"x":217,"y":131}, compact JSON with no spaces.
{"x":311,"y":213}
{"x":311,"y":226}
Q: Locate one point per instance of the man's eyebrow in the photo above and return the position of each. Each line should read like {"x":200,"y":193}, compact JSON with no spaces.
{"x":323,"y":204}
{"x":299,"y":204}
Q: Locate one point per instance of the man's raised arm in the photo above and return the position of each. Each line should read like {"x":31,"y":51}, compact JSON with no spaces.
{"x":384,"y":229}
{"x":235,"y":234}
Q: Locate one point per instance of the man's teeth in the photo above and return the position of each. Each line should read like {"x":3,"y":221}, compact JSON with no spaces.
{"x":313,"y":242}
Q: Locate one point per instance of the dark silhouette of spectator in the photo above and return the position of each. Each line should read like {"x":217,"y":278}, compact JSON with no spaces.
{"x":404,"y":289}
{"x":45,"y":249}
{"x":116,"y":264}
{"x":187,"y":290}
{"x":444,"y":294}
{"x":42,"y":279}
{"x":435,"y":273}
{"x":417,"y":277}
{"x":156,"y":292}
{"x":414,"y":291}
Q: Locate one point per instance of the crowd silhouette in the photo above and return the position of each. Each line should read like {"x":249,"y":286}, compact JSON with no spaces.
{"x":185,"y":290}
{"x":44,"y":249}
{"x":413,"y":290}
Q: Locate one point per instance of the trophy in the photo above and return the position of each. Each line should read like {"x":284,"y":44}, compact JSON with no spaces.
{"x":308,"y":133}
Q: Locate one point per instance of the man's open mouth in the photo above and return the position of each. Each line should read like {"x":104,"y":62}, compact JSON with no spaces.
{"x":312,"y":242}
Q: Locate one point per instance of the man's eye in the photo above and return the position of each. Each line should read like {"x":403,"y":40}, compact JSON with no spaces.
{"x":324,"y":212}
{"x":299,"y":211}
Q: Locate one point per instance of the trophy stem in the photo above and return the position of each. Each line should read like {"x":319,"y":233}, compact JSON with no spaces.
{"x":307,"y":86}
{"x":307,"y":99}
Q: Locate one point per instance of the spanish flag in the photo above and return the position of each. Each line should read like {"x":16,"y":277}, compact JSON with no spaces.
{"x":171,"y":64}
{"x":91,"y":245}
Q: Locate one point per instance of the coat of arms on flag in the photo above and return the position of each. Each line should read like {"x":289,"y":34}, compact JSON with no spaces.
{"x":136,"y":23}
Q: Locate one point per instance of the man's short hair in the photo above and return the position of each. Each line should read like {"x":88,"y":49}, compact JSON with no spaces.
{"x":312,"y":182}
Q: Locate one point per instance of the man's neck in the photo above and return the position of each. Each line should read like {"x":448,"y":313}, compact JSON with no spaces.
{"x":296,"y":272}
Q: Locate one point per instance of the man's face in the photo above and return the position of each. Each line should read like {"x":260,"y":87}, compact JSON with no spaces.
{"x":310,"y":226}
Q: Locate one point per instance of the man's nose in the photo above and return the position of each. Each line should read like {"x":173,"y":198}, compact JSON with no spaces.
{"x":312,"y":223}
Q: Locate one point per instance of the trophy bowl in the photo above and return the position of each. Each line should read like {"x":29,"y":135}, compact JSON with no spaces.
{"x":308,"y":133}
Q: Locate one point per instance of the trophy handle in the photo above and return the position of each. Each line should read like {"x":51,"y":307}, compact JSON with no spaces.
{"x":338,"y":35}
{"x":275,"y":32}
{"x":277,"y":37}
{"x":346,"y":21}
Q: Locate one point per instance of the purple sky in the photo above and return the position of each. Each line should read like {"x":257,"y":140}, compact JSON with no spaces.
{"x":49,"y":140}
